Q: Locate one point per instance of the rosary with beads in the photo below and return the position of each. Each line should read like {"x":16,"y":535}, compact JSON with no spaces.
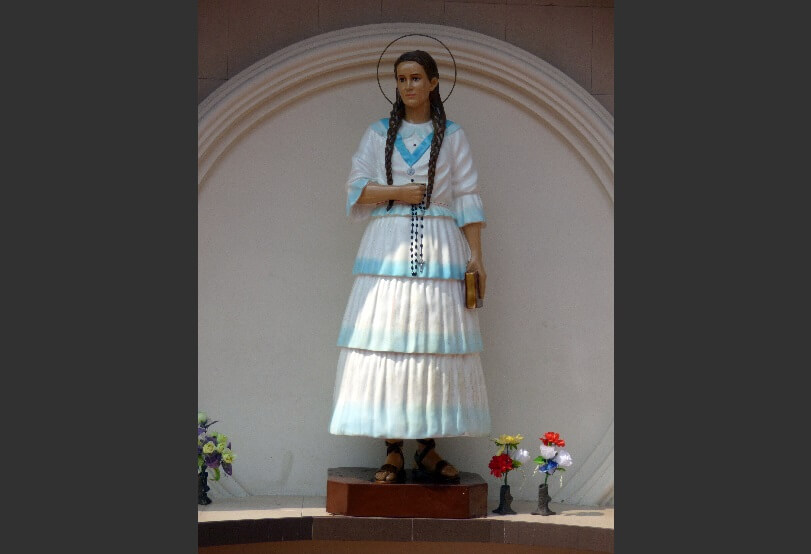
{"x":417,"y":226}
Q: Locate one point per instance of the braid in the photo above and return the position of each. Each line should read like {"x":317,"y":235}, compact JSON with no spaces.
{"x":395,"y":119}
{"x":438,"y":118}
{"x":438,"y":121}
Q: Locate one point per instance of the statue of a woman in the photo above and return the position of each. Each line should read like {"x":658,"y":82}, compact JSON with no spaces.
{"x":409,"y":365}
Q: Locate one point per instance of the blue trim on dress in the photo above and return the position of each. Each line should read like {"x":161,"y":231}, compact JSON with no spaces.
{"x":355,"y":190}
{"x":413,"y":157}
{"x":470,"y":214}
{"x":436,"y":210}
{"x":381,"y":127}
{"x":441,"y":421}
{"x":402,"y":268}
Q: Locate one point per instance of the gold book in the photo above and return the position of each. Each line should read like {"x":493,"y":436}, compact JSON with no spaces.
{"x":473,"y":297}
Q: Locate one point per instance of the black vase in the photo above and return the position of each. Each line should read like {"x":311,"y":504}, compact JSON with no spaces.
{"x":543,"y":502}
{"x":203,"y":488}
{"x":505,"y":499}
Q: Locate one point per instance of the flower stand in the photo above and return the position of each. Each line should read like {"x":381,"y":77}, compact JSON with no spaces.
{"x":543,"y":501}
{"x":203,"y":488}
{"x":505,"y":500}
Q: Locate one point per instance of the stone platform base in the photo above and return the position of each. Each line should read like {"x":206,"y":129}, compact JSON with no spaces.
{"x":351,"y":491}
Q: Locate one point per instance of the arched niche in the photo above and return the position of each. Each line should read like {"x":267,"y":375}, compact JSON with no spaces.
{"x":275,"y":254}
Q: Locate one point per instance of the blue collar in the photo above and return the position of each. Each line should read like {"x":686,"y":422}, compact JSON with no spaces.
{"x":412,"y":157}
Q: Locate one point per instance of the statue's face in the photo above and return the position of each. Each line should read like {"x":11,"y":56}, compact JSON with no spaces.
{"x":413,"y":84}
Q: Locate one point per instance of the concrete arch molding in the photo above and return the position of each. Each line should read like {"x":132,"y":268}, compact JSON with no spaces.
{"x":484,"y":62}
{"x":274,"y":146}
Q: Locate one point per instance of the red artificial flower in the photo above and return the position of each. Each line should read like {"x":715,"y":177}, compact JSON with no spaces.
{"x":551,"y":437}
{"x":500,"y":465}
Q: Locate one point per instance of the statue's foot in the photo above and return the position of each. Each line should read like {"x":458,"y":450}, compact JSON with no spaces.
{"x":392,"y":471}
{"x":430,"y":465}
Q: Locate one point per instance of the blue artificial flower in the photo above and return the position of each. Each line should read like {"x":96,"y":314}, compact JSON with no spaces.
{"x":549,"y":467}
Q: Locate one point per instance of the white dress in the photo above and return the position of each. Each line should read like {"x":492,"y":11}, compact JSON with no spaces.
{"x":409,"y":364}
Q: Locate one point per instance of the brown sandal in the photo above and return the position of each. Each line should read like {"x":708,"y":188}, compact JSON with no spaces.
{"x":389,"y":469}
{"x":422,"y":473}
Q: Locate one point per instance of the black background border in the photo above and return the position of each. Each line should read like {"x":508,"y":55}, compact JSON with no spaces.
{"x":102,"y":272}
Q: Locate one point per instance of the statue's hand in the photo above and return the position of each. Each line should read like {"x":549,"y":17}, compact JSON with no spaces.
{"x":411,"y":194}
{"x":476,"y":264}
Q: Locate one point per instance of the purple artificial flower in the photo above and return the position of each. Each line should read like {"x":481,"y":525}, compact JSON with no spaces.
{"x":205,"y":435}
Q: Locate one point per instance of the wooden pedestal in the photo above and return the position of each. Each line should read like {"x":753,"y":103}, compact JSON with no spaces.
{"x":352,"y":491}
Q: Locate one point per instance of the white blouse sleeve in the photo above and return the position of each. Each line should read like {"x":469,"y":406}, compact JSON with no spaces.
{"x":467,"y":204}
{"x":364,"y":169}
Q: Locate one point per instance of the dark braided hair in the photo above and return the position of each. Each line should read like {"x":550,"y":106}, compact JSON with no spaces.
{"x":437,"y":118}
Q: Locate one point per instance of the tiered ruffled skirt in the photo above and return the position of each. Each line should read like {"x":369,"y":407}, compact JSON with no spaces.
{"x":409,"y":365}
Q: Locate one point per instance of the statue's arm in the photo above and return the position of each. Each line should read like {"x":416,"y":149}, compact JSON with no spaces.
{"x":375,"y":193}
{"x":472,"y":233}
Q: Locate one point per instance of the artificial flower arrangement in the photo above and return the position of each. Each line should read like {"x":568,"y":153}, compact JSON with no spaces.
{"x":213,"y":448}
{"x":502,"y":463}
{"x":553,"y":457}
